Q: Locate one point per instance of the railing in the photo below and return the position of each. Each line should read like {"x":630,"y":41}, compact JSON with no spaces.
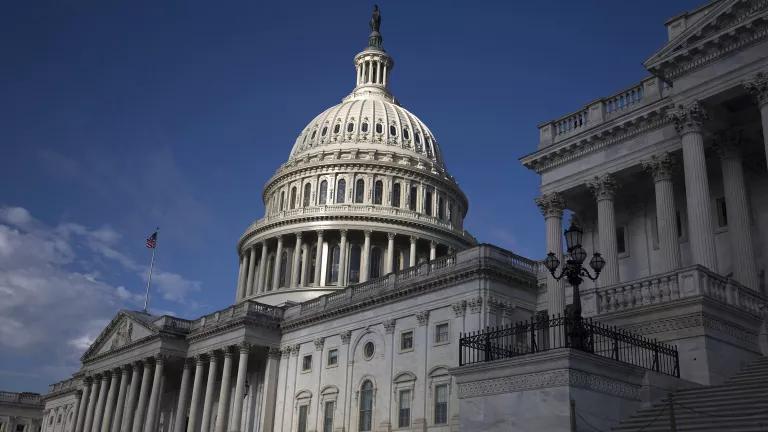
{"x":571,"y":123}
{"x":548,"y":333}
{"x":246,"y":308}
{"x":21,"y":398}
{"x":65,"y":385}
{"x":168,"y":322}
{"x":624,"y":100}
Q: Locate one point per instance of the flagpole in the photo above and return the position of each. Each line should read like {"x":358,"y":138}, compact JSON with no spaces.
{"x":149,"y":279}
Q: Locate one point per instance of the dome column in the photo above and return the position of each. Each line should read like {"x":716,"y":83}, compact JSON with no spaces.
{"x":251,"y":270}
{"x":241,"y":277}
{"x":318,"y":257}
{"x":262,"y":268}
{"x":278,"y":262}
{"x":296,"y":261}
{"x":304,"y":265}
{"x":412,"y":260}
{"x":390,"y":252}
{"x":365,"y":267}
{"x":432,"y":250}
{"x":343,"y":258}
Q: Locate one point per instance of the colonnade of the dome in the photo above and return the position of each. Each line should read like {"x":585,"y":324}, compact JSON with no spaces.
{"x":329,"y":258}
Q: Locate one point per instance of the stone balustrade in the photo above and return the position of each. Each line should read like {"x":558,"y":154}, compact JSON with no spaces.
{"x":64,"y":386}
{"x":247,"y":308}
{"x":663,"y":288}
{"x":22,"y":398}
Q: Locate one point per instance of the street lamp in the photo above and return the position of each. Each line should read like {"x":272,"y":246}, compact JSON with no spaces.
{"x":574,"y":272}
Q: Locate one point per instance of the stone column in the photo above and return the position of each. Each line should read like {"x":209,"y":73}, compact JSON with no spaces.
{"x":432,"y":250}
{"x":412,"y":260}
{"x":120,"y":404}
{"x":739,"y":232}
{"x":604,"y":189}
{"x":226,"y":377}
{"x":141,"y":407}
{"x":262,"y":285}
{"x":241,"y":281}
{"x":209,"y":389}
{"x":197,"y":387}
{"x":365,"y":259}
{"x":278,"y":263}
{"x":758,"y":87}
{"x":251,"y":271}
{"x":343,"y":258}
{"x":98,"y":414}
{"x":181,"y":407}
{"x":130,"y":402}
{"x":269,"y":392}
{"x":296,"y":261}
{"x":688,"y":123}
{"x":109,"y":408}
{"x":390,"y":252}
{"x":154,"y":397}
{"x":660,"y":166}
{"x":85,"y":404}
{"x":552,"y":206}
{"x":242,"y":371}
{"x":305,"y":266}
{"x":318,"y":257}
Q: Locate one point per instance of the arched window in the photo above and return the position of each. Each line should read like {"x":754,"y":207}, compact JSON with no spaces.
{"x":406,"y":135}
{"x":283,"y":269}
{"x":393,"y":130}
{"x":354,"y":264}
{"x":333,"y":265}
{"x":364,"y":127}
{"x":417,"y":137}
{"x":325,"y":130}
{"x":378,"y":191}
{"x":293,"y":197}
{"x":350,"y":127}
{"x":323,"y":195}
{"x":336,"y":128}
{"x":307,"y":192}
{"x":379,"y":128}
{"x":429,"y":147}
{"x":396,"y":195}
{"x":428,"y":203}
{"x":359,"y":190}
{"x":440,"y":208}
{"x":366,"y":406}
{"x":412,"y":202}
{"x":375,"y":265}
{"x":314,"y":133}
{"x":341,"y":191}
{"x":282,"y":200}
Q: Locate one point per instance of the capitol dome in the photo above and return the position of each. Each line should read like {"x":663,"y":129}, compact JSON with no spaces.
{"x":365,"y":192}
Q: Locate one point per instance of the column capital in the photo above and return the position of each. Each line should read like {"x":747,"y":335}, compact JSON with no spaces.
{"x":279,"y":239}
{"x":368,"y":233}
{"x":603,"y":187}
{"x":432,"y":243}
{"x":414,"y":239}
{"x":551,"y":204}
{"x":295,"y":350}
{"x":124,"y":369}
{"x":319,"y":233}
{"x":346,"y":337}
{"x":422,"y":317}
{"x":243,"y":347}
{"x":299,"y":235}
{"x":758,"y":87}
{"x":273,"y":352}
{"x":189,"y":362}
{"x":660,"y":166}
{"x":200,"y":359}
{"x":688,"y":118}
{"x":228,"y":351}
{"x":727,"y":144}
{"x":389,"y":326}
{"x":343,"y":233}
{"x":459,"y":308}
{"x":319,"y":343}
{"x":285,"y":351}
{"x":391,"y":236}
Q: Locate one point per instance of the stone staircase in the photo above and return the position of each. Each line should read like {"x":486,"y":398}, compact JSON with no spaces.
{"x":738,"y":405}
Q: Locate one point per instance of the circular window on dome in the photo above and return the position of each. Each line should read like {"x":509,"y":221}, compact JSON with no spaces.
{"x":379,"y":128}
{"x":364,"y":127}
{"x":325,"y":131}
{"x":393,"y":130}
{"x":336,"y":128}
{"x":350,"y":127}
{"x":368,"y":349}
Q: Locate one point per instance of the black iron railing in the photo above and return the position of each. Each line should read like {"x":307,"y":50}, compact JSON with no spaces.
{"x":548,"y":333}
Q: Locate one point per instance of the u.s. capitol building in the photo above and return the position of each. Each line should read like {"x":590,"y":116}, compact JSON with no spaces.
{"x":355,"y":286}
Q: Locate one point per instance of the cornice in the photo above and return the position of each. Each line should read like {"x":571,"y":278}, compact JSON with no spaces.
{"x":207,"y":332}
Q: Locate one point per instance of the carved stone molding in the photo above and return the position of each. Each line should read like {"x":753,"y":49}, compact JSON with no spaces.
{"x":660,"y":166}
{"x":422,"y":317}
{"x":285,"y":351}
{"x":758,"y":87}
{"x":688,"y":119}
{"x":459,"y":308}
{"x":295,"y":350}
{"x":319,"y":343}
{"x":475,"y":304}
{"x":727,"y":144}
{"x":389,"y":326}
{"x":345,"y":337}
{"x":603,"y":187}
{"x":273,"y":352}
{"x":555,"y":378}
{"x":551,"y":204}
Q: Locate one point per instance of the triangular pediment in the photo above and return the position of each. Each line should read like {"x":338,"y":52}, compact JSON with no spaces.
{"x":707,"y":25}
{"x":125,"y":328}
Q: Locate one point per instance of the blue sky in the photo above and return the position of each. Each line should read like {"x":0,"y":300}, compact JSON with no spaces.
{"x":117,"y":117}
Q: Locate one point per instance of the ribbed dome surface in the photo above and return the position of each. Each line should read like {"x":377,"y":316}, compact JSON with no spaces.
{"x":368,"y":121}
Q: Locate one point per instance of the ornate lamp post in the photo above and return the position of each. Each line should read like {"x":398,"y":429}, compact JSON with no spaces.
{"x":574,"y":272}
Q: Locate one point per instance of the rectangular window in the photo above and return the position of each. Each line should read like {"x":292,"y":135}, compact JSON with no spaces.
{"x":412,"y":198}
{"x":333,"y":357}
{"x":621,"y":241}
{"x":328,"y":416}
{"x":679,"y":224}
{"x":306,"y":363}
{"x":441,"y":404}
{"x":404,"y":410}
{"x":441,"y":333}
{"x":303,"y":418}
{"x":722,"y":213}
{"x":406,"y":341}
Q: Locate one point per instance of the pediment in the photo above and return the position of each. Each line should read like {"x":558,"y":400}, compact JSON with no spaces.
{"x":706,"y":28}
{"x":125,"y":328}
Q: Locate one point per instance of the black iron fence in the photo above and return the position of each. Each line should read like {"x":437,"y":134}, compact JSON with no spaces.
{"x":547,"y":333}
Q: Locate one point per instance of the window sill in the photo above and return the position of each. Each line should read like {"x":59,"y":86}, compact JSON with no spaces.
{"x":442,"y":343}
{"x":403,"y":351}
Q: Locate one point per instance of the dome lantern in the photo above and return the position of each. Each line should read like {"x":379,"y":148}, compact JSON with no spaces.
{"x":373,"y":64}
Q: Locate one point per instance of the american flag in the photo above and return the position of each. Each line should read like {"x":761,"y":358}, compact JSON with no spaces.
{"x":152,"y":240}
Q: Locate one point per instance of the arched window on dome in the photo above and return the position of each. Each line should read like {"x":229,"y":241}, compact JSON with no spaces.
{"x":307,"y":193}
{"x":322,"y":196}
{"x":378,"y":191}
{"x":364,"y":127}
{"x":293,"y":198}
{"x":379,"y":128}
{"x":350,"y":127}
{"x":428,"y":203}
{"x":333,"y":265}
{"x":375,"y":264}
{"x":314,"y":133}
{"x":324,"y":131}
{"x":341,"y":191}
{"x":283,"y":269}
{"x":428,"y":146}
{"x":359,"y":191}
{"x":366,"y":407}
{"x":396,"y":195}
{"x":393,"y":130}
{"x":282,"y":200}
{"x":412,"y":198}
{"x":336,"y":128}
{"x":440,"y":208}
{"x":417,"y":139}
{"x":406,"y":134}
{"x":354,"y":264}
